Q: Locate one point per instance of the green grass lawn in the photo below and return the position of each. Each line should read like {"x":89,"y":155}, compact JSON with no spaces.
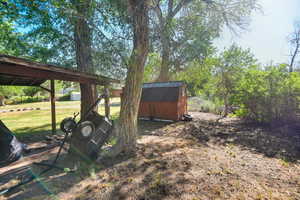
{"x":37,"y":123}
{"x":47,"y":104}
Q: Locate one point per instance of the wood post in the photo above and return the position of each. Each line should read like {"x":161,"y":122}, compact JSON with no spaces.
{"x":52,"y":99}
{"x":106,"y":101}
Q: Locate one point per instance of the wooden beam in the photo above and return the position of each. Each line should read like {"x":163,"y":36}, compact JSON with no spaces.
{"x":13,"y":81}
{"x":33,"y":82}
{"x":67,"y":72}
{"x":106,"y":101}
{"x":34,"y":73}
{"x":53,"y":113}
{"x":48,"y":90}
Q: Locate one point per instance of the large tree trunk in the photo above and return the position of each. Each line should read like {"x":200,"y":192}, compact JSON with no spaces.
{"x":127,"y":128}
{"x":164,"y":74}
{"x":82,"y":36}
{"x":132,"y":91}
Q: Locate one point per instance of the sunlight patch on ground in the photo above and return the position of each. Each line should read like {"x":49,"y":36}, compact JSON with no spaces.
{"x":37,"y":121}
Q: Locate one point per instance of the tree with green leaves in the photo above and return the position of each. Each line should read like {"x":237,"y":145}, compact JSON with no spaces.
{"x":227,"y":72}
{"x":8,"y":91}
{"x":127,"y":127}
{"x":43,"y":28}
{"x":83,"y":48}
{"x":10,"y":42}
{"x":185,"y":28}
{"x":268,"y":95}
{"x":197,"y":75}
{"x":86,"y":28}
{"x":152,"y":67}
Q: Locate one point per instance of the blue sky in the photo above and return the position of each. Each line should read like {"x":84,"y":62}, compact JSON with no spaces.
{"x":267,"y":34}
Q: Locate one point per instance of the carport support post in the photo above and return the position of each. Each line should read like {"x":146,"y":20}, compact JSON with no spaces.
{"x":52,"y":99}
{"x":106,"y":101}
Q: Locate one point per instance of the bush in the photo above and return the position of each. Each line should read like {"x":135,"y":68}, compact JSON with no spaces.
{"x":31,"y":91}
{"x":25,"y":99}
{"x":268,"y":96}
{"x":203,"y":105}
{"x":65,"y":97}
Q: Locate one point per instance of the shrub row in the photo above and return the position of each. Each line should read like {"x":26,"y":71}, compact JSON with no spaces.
{"x":65,"y":97}
{"x":28,"y":99}
{"x":25,"y":99}
{"x":269,"y":96}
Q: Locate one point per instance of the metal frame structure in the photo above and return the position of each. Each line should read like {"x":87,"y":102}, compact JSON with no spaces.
{"x":22,"y":72}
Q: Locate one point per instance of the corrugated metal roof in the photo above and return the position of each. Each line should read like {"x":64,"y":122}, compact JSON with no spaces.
{"x":163,"y":84}
{"x":20,"y":81}
{"x":20,"y":71}
{"x":160,"y":94}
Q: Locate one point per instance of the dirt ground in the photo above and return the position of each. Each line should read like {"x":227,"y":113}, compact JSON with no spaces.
{"x":194,"y":160}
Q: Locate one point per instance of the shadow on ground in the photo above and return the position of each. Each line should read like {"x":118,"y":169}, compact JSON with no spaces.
{"x":148,"y":127}
{"x":154,"y":173}
{"x":48,"y":185}
{"x":161,"y":166}
{"x":56,"y":181}
{"x":30,"y":135}
{"x":281,"y":142}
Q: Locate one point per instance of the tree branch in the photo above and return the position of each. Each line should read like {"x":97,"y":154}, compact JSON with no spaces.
{"x":159,"y":13}
{"x":295,"y":40}
{"x":178,"y":8}
{"x":170,"y":6}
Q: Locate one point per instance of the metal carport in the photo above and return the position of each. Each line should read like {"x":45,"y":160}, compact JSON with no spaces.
{"x":22,"y":72}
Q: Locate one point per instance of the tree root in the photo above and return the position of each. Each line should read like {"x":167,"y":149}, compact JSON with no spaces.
{"x":119,"y":148}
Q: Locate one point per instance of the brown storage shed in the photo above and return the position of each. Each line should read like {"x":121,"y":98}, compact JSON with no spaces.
{"x":164,"y":100}
{"x":116,"y":92}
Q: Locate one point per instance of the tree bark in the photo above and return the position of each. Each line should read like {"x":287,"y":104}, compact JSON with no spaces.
{"x":107,"y":101}
{"x":164,"y":74}
{"x":164,"y":32}
{"x":83,"y":46}
{"x":134,"y":79}
{"x":2,"y":100}
{"x":127,"y":128}
{"x":291,"y":67}
{"x":83,"y":43}
{"x":295,"y":40}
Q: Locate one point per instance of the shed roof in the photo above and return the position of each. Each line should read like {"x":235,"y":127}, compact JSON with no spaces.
{"x":161,"y":94}
{"x":169,"y":84}
{"x":19,"y":80}
{"x":161,"y":91}
{"x":23,"y":72}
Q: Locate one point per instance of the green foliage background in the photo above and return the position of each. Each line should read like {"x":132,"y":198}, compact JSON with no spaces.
{"x":234,"y":78}
{"x":231,"y":80}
